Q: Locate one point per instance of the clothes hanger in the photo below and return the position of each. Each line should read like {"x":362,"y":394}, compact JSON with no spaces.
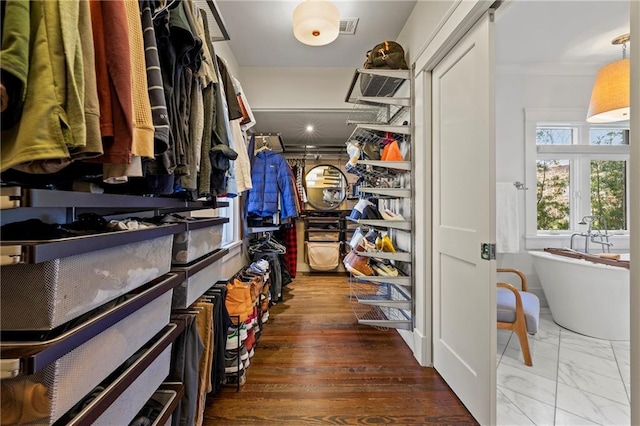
{"x":265,"y":146}
{"x":168,"y":5}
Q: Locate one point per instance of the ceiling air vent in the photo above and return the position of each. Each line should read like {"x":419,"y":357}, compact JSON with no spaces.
{"x":348,"y":25}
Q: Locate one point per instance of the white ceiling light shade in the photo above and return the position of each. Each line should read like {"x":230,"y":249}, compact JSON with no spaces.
{"x":316,"y":22}
{"x":611,"y":95}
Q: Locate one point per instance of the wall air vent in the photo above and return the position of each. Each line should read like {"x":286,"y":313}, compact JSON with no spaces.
{"x":348,"y":25}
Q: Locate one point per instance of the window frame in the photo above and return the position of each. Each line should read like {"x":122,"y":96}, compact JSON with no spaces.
{"x":580,"y":156}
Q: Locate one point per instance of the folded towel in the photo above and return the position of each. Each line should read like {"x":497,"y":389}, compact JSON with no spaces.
{"x":507,"y":229}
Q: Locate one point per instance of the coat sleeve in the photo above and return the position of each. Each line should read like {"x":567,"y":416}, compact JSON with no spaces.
{"x":287,"y":190}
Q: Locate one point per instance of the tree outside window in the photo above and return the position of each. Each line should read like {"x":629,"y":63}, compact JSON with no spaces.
{"x":607,"y":178}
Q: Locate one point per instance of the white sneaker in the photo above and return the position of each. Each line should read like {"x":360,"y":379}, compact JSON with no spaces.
{"x":356,"y":213}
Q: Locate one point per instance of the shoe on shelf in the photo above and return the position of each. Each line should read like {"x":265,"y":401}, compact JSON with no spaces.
{"x":387,"y":245}
{"x":357,"y":265}
{"x":356,"y":213}
{"x":372,"y":235}
{"x":365,"y":245}
{"x":389,"y":215}
{"x":387,"y":269}
{"x":371,"y":212}
{"x":378,"y":270}
{"x":356,"y":238}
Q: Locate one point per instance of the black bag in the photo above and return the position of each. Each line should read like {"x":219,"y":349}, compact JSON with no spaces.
{"x":386,"y":55}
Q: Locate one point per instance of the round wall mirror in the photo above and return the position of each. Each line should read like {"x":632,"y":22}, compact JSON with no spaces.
{"x":326,"y":187}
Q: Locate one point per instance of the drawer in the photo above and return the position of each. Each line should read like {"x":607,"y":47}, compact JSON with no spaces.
{"x":125,"y":393}
{"x":164,"y":401}
{"x":69,"y":378}
{"x":125,"y":408}
{"x":44,"y":295}
{"x":197,"y":278}
{"x":201,"y":238}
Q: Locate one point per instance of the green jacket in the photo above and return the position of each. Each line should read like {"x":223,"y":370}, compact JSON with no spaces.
{"x":53,"y":118}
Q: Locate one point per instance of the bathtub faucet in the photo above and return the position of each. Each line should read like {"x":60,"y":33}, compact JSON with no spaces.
{"x":598,"y":235}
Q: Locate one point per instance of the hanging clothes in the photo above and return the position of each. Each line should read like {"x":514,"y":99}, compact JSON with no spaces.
{"x":248,"y":120}
{"x":142,"y":144}
{"x":221,"y":153}
{"x":209,"y":105}
{"x":289,"y":236}
{"x":273,"y":187}
{"x":185,"y":355}
{"x":242,"y":166}
{"x":54,"y":95}
{"x":15,"y":59}
{"x":300,"y":185}
{"x":272,"y":250}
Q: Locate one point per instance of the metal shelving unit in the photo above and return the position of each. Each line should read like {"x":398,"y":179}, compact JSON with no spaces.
{"x":382,"y":100}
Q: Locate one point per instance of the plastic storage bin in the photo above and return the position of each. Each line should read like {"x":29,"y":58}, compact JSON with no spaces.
{"x":198,"y":278}
{"x":43,"y":295}
{"x":201,"y":238}
{"x":63,"y":383}
{"x":124,"y":409}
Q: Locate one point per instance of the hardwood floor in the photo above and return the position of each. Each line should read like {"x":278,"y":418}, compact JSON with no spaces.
{"x":315,"y":365}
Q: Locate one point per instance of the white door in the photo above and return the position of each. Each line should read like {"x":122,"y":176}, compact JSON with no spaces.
{"x":464,"y":321}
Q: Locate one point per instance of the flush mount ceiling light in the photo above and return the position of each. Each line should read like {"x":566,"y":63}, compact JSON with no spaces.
{"x":610,"y":98}
{"x":316,"y":22}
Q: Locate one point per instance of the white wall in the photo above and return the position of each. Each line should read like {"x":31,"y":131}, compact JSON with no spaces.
{"x":425,"y":20}
{"x":295,"y":88}
{"x":223,"y":50}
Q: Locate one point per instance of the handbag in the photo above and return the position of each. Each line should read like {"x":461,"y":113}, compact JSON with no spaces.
{"x":370,"y":151}
{"x":386,"y":55}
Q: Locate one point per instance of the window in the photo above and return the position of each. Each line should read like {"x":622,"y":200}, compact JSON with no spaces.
{"x":580,"y":169}
{"x":230,"y":231}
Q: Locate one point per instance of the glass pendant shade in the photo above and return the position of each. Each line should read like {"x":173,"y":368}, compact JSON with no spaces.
{"x":316,"y":22}
{"x":610,"y":98}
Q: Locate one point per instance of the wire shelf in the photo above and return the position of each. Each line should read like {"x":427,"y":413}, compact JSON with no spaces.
{"x":361,"y":136}
{"x":380,"y":294}
{"x":379,"y":318}
{"x":371,"y":172}
{"x":376,"y":83}
{"x":364,"y":112}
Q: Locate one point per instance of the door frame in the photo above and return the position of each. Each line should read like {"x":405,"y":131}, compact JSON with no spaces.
{"x":465,"y":15}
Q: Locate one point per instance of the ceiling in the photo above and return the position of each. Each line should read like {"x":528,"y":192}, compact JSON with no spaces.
{"x":531,"y":35}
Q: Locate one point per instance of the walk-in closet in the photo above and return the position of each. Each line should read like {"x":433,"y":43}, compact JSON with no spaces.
{"x":303,"y":212}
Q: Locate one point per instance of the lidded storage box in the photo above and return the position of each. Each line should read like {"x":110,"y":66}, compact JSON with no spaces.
{"x":202,"y":236}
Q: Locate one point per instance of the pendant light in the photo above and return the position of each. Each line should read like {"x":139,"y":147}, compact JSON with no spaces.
{"x":316,"y":22}
{"x":610,"y":98}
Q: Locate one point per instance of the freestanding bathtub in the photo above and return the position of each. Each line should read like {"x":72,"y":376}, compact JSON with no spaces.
{"x":585,"y":297}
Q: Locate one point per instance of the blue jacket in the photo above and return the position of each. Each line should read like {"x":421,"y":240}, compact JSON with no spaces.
{"x":271,"y":178}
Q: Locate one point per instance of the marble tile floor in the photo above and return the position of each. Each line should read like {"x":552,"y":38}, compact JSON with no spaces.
{"x":574,"y":380}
